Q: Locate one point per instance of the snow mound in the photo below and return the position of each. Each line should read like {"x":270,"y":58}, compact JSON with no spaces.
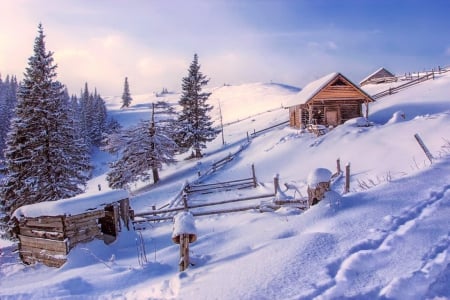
{"x":317,"y":176}
{"x":397,"y":117}
{"x":184,"y":223}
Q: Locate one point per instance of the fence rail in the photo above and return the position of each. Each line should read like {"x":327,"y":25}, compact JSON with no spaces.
{"x":428,"y":75}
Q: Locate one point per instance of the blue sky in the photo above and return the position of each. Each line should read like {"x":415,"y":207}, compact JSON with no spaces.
{"x":291,"y":42}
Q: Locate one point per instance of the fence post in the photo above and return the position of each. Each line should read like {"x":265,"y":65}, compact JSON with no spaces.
{"x":276,"y":183}
{"x":185,"y":201}
{"x":347,"y":179}
{"x":338,"y":166}
{"x":424,"y":148}
{"x":254,"y":175}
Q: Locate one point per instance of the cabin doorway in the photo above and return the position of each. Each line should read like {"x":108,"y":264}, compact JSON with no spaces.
{"x":331,"y":117}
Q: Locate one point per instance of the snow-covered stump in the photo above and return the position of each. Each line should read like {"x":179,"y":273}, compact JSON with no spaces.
{"x":318,"y":185}
{"x":184,"y":233}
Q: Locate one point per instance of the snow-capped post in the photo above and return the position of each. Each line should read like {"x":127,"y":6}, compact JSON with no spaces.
{"x":318,"y":184}
{"x":347,"y":179}
{"x":184,"y":232}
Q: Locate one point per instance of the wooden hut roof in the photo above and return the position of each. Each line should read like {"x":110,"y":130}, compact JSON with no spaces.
{"x":71,"y":206}
{"x":314,"y":88}
{"x":380,"y":73}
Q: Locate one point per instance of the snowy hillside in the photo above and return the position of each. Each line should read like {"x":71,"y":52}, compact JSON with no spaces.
{"x":387,"y":239}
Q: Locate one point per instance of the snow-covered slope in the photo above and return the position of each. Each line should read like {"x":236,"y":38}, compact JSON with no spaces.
{"x":388,"y":238}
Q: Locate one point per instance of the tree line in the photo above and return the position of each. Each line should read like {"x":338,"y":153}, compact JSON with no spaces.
{"x":46,"y":135}
{"x":49,"y":134}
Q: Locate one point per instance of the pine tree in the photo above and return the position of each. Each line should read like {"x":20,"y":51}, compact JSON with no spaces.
{"x":92,"y":117}
{"x":8,"y":100}
{"x":195,"y":125}
{"x":44,"y":162}
{"x":126,"y":96}
{"x":146,"y":147}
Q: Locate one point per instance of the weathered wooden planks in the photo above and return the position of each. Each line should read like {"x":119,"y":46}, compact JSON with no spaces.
{"x":48,"y":239}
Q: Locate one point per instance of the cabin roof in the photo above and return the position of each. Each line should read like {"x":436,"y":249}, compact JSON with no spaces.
{"x":378,"y":71}
{"x":71,"y":206}
{"x":313,"y":88}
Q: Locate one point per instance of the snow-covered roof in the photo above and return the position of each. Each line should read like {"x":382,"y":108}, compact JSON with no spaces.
{"x":317,"y":176}
{"x":376,"y":72}
{"x":310,"y":90}
{"x":71,"y":206}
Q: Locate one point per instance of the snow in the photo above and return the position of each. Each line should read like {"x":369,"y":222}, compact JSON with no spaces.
{"x":71,"y":206}
{"x":317,"y":176}
{"x":309,"y":90}
{"x":183,"y":223}
{"x":388,"y":238}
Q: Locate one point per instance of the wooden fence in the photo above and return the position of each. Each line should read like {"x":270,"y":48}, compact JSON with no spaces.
{"x":411,"y":81}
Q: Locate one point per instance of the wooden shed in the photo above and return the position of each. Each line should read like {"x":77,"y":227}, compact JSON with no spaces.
{"x":379,"y":76}
{"x":47,"y":231}
{"x":330,"y":101}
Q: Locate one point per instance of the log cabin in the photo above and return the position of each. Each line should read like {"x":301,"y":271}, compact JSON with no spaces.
{"x":47,"y":231}
{"x":379,"y":76}
{"x":329,"y":101}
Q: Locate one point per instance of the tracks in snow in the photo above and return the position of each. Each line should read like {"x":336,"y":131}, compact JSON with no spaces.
{"x":362,"y":271}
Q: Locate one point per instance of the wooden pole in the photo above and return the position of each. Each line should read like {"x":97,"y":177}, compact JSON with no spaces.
{"x":185,"y":201}
{"x":347,"y":179}
{"x":184,"y":252}
{"x":276,"y":183}
{"x":254,"y":175}
{"x":424,"y":148}
{"x":338,"y":166}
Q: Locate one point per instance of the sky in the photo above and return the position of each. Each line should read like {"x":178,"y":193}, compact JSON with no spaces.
{"x":291,"y":42}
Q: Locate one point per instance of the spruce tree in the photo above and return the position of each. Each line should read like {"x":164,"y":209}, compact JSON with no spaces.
{"x":8,"y":101}
{"x":145,"y":148}
{"x":44,"y":162}
{"x":194,"y":123}
{"x":126,"y":96}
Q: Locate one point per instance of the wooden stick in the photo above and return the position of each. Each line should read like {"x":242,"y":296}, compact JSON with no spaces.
{"x":254,"y":175}
{"x":347,"y":178}
{"x":424,"y":148}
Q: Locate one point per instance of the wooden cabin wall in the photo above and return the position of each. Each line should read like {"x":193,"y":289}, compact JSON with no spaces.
{"x":43,"y":240}
{"x":48,"y":239}
{"x":341,"y":92}
{"x":350,"y":111}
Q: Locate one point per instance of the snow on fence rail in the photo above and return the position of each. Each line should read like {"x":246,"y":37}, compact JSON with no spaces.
{"x":256,"y":133}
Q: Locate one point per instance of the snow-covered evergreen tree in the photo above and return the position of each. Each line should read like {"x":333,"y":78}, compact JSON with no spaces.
{"x":194,"y":123}
{"x":8,"y":100}
{"x":43,"y":160}
{"x":146,"y":147}
{"x":92,"y":117}
{"x":126,"y":96}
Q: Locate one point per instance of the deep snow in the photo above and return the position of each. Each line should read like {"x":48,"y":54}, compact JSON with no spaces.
{"x":388,"y":238}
